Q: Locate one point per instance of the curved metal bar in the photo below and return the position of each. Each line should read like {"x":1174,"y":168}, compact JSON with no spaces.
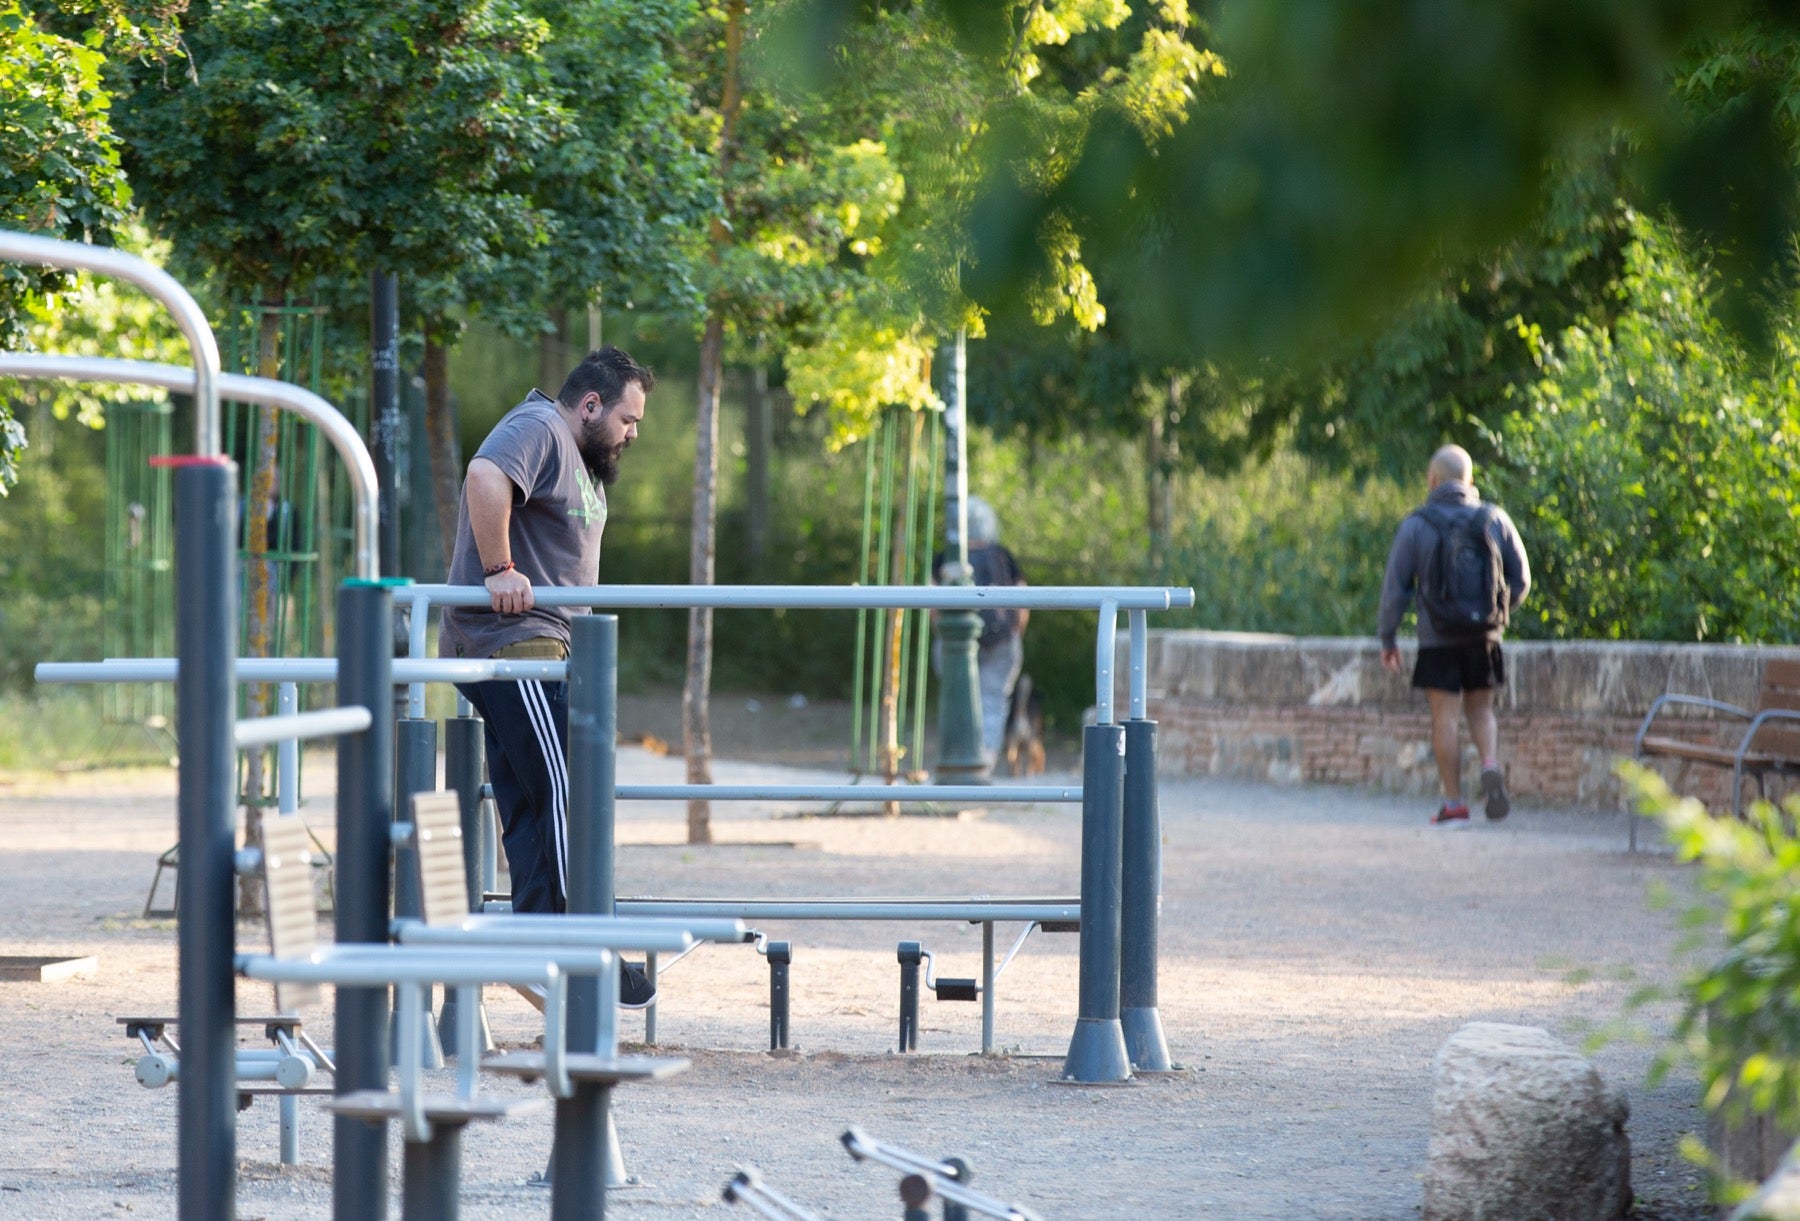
{"x":266,"y":391}
{"x":204,"y":382}
{"x":1106,"y":646}
{"x":826,"y":597}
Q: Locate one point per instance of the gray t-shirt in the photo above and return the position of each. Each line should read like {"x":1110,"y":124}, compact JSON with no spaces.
{"x":558,"y":515}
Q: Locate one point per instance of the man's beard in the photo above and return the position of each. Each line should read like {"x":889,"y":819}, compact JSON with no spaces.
{"x":602,"y":460}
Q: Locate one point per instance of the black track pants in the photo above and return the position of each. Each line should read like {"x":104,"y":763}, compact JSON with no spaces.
{"x":528,"y":765}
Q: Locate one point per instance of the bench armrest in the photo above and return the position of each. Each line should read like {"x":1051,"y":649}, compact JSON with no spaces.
{"x":1689,"y":701}
{"x":1756,"y":724}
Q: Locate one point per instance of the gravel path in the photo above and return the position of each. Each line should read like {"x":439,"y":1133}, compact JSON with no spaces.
{"x":1319,"y":945}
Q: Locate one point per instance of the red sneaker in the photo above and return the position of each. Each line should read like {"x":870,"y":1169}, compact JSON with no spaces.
{"x":1451,"y":815}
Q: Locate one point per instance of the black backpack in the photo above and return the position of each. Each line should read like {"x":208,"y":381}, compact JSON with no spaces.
{"x":1463,"y":585}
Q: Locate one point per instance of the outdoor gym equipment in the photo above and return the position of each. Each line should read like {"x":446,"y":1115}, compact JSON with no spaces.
{"x":925,"y":1179}
{"x":1100,"y":1049}
{"x":947,"y":1180}
{"x":210,"y":734}
{"x":284,"y":1070}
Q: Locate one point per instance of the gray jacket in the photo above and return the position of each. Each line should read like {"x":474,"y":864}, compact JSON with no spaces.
{"x":1413,"y":544}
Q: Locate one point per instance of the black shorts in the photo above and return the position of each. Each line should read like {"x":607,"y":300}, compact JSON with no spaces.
{"x":1475,"y":666}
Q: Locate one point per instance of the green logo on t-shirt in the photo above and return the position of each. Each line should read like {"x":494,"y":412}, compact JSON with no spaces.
{"x":593,"y":509}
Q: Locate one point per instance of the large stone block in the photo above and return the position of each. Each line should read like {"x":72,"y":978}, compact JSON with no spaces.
{"x":1523,"y":1129}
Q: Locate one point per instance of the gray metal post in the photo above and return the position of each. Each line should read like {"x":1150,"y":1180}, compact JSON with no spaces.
{"x":206,"y":707}
{"x":1097,"y":1051}
{"x":415,"y":771}
{"x":431,"y":1176}
{"x":1141,"y":897}
{"x":359,"y":1184}
{"x":465,"y":746}
{"x":580,"y":1154}
{"x":781,"y":957}
{"x":650,"y":1009}
{"x":910,"y":954}
{"x":987,"y":987}
{"x":289,"y":1105}
{"x":960,"y":759}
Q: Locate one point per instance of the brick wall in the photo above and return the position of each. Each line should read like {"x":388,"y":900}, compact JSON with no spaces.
{"x":1298,"y":709}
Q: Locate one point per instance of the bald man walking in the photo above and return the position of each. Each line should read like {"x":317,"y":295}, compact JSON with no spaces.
{"x":1464,"y":562}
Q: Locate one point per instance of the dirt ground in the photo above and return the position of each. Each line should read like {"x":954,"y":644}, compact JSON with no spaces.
{"x":1318,"y":946}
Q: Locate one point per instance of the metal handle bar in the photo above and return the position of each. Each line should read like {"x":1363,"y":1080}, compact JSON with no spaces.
{"x":299,"y":669}
{"x":338,"y":430}
{"x":325,"y":723}
{"x":862,"y":1146}
{"x":747,"y":1187}
{"x":821,"y":597}
{"x":203,"y":379}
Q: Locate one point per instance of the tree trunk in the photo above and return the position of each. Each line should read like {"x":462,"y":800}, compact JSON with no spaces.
{"x":553,"y":352}
{"x":696,"y":720}
{"x":760,"y":437}
{"x":1158,"y":462}
{"x":261,"y":591}
{"x":445,"y":450}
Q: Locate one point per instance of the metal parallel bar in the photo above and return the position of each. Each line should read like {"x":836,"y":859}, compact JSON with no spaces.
{"x":537,"y":931}
{"x":378,"y":966}
{"x":325,"y":723}
{"x":639,"y":934}
{"x":971,"y":910}
{"x":266,"y":391}
{"x":298,"y":669}
{"x":830,"y":597}
{"x":984,"y":794}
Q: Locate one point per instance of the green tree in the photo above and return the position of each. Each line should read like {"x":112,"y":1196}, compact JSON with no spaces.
{"x":311,"y":140}
{"x":619,"y":188}
{"x":1651,"y":470}
{"x":60,"y":173}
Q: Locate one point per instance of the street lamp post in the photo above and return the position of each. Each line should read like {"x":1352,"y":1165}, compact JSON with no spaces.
{"x":960,"y":759}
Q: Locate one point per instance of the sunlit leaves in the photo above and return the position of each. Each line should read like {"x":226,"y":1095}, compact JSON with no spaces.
{"x":1741,"y":1023}
{"x":1653,"y":466}
{"x":859,"y":367}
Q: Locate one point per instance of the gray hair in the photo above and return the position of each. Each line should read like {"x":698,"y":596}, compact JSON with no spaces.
{"x":984,"y":523}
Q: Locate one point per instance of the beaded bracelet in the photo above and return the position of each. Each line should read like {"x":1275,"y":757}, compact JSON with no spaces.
{"x":496,"y":570}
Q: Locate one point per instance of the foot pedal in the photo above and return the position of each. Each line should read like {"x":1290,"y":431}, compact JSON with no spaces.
{"x":957,"y":990}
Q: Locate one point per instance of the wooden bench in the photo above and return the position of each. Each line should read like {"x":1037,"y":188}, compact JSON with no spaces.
{"x":1753,"y":742}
